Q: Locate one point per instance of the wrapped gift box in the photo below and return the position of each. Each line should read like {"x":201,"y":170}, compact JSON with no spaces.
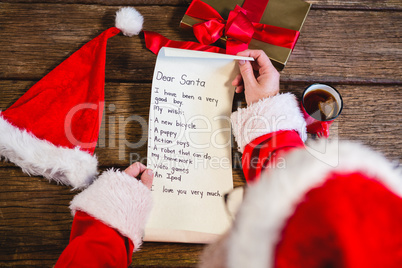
{"x":286,"y":14}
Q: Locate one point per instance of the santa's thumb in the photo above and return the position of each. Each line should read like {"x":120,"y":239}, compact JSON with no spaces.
{"x":247,"y":73}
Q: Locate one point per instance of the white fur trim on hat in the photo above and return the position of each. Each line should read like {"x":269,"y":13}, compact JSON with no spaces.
{"x":39,"y":157}
{"x":280,"y":112}
{"x":129,"y":21}
{"x":270,"y":202}
{"x":118,"y":200}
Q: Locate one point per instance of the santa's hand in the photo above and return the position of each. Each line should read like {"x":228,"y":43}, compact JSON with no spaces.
{"x":259,"y":79}
{"x":138,"y":169}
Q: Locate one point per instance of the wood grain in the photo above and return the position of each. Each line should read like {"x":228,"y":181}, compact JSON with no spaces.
{"x":357,"y":4}
{"x":335,"y":45}
{"x":348,"y":4}
{"x":35,"y":221}
{"x":353,"y":45}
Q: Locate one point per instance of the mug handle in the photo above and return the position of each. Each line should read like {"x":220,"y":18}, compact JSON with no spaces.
{"x":324,"y":131}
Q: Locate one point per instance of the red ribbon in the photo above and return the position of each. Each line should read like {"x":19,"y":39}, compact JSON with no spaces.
{"x":155,"y":42}
{"x":255,"y":9}
{"x":238,"y":28}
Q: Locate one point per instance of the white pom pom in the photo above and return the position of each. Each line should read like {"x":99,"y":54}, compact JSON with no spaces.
{"x":129,"y":21}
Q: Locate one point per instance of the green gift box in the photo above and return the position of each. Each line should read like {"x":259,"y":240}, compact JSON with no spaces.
{"x":286,"y":15}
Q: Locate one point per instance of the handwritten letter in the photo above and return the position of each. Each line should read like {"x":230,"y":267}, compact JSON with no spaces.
{"x":189,"y":146}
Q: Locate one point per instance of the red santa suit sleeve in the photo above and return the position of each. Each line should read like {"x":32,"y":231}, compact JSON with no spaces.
{"x":266,"y":130}
{"x":109,"y":220}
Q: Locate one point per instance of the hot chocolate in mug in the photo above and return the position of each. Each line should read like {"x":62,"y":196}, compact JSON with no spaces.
{"x":320,"y":105}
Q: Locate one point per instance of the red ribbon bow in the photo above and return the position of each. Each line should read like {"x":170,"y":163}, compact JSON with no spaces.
{"x":238,"y":29}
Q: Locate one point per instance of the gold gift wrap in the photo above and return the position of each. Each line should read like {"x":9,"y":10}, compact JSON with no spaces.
{"x":289,"y":14}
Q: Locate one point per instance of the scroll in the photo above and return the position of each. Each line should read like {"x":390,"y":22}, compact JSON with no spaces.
{"x":189,"y":145}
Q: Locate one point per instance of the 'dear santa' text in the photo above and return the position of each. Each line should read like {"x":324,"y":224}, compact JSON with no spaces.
{"x":184,"y":80}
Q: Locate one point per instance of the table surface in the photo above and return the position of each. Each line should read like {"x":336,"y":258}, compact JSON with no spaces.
{"x":354,"y":45}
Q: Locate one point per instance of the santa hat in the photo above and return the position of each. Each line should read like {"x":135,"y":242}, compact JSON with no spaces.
{"x":313,"y":214}
{"x":53,"y":128}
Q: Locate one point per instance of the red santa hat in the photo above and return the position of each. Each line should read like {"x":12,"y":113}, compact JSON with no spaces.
{"x":53,"y":128}
{"x":342,"y":209}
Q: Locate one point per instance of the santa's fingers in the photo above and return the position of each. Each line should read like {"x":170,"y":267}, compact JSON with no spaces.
{"x":238,"y":80}
{"x":147,"y":178}
{"x":135,"y":169}
{"x":239,"y":89}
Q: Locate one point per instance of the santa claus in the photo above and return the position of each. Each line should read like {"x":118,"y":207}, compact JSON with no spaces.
{"x":339,"y":208}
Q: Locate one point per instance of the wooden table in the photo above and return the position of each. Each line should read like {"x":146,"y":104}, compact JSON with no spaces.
{"x":353,"y":45}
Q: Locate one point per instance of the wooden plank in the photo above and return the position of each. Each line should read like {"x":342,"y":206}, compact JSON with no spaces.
{"x":109,"y":2}
{"x":371,"y":114}
{"x":167,"y":255}
{"x":357,"y":4}
{"x":350,"y":4}
{"x":351,"y":47}
{"x":34,"y":220}
{"x":335,"y":45}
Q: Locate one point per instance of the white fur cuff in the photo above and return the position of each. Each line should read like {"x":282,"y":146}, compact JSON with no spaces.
{"x":280,"y":112}
{"x":40,"y":157}
{"x":119,"y":201}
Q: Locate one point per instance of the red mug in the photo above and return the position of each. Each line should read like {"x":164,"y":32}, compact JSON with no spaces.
{"x":320,"y":105}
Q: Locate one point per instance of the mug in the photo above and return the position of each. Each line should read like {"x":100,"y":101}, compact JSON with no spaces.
{"x":320,"y":105}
